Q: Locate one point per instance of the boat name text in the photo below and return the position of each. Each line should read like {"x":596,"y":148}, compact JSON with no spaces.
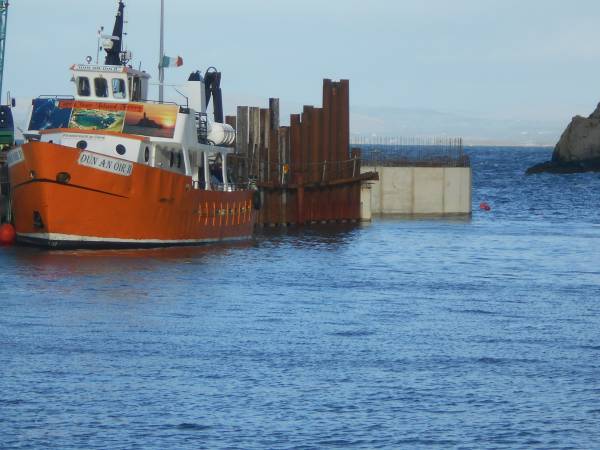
{"x":15,"y":157}
{"x":87,"y":137}
{"x":93,"y":68}
{"x":105,"y":163}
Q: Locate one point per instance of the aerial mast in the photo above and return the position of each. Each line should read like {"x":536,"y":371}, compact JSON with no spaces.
{"x":3,"y":18}
{"x":161,"y":69}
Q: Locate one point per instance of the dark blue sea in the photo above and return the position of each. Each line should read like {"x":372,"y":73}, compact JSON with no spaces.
{"x":480,"y":332}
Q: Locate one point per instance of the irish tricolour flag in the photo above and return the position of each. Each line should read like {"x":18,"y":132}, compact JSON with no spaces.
{"x":168,"y":61}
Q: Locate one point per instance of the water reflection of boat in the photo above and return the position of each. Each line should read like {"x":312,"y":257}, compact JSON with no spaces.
{"x":95,"y":182}
{"x":94,"y":262}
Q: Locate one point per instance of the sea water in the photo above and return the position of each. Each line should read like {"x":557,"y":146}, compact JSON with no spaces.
{"x":479,"y":332}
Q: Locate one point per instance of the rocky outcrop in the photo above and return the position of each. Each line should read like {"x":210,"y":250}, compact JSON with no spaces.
{"x":578,"y":149}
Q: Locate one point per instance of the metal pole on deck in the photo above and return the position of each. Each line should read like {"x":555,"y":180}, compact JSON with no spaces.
{"x":161,"y":69}
{"x":3,"y":19}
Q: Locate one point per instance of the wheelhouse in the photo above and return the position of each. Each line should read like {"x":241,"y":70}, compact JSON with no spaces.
{"x":118,"y":84}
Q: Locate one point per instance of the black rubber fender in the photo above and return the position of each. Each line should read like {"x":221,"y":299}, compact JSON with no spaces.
{"x":256,"y":201}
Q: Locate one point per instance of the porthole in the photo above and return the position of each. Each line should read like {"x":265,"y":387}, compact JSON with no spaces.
{"x":63,"y":177}
{"x":82,"y":145}
{"x":121,"y":149}
{"x":147,"y":154}
{"x":172,"y":161}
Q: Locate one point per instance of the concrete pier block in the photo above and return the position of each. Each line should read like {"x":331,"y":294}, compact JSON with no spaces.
{"x":419,"y":190}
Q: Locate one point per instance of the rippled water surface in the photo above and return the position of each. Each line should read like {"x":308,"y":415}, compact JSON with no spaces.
{"x":474,"y":333}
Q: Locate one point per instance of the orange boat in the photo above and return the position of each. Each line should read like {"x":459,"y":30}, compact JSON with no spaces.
{"x":106,"y":168}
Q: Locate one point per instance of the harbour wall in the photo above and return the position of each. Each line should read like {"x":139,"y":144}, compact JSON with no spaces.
{"x":417,"y":191}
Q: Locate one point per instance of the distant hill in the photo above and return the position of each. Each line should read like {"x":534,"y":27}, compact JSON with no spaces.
{"x":409,"y":122}
{"x":475,"y":131}
{"x":406,"y":122}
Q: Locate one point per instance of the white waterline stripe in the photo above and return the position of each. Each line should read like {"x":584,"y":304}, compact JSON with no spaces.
{"x":77,"y":238}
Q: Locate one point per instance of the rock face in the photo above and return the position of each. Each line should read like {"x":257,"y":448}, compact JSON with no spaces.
{"x":578,"y":149}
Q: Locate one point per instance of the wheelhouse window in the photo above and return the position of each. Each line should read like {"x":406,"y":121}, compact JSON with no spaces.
{"x":101,"y":87}
{"x":83,"y":86}
{"x":118,"y":88}
{"x":135,"y":87}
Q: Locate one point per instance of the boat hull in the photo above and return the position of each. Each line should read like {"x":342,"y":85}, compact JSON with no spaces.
{"x":58,"y":202}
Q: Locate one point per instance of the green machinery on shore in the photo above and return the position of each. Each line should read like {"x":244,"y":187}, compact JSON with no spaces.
{"x":7,"y":128}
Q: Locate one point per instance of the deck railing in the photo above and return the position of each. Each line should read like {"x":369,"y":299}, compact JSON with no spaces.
{"x":418,"y":151}
{"x":322,"y":172}
{"x":229,"y":187}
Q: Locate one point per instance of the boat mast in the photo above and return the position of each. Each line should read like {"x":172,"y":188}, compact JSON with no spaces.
{"x":161,"y":68}
{"x":3,"y":18}
{"x":113,"y":54}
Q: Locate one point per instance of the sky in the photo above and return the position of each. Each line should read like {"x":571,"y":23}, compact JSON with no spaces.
{"x":490,"y":71}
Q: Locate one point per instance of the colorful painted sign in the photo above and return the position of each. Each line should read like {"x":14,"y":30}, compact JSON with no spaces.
{"x":151,"y":120}
{"x":47,"y":113}
{"x":94,"y":116}
{"x":133,"y":118}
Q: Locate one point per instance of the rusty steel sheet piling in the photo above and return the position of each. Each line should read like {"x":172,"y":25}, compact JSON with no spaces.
{"x":231,"y":120}
{"x":253,"y":141}
{"x":283,"y":143}
{"x":306,"y":172}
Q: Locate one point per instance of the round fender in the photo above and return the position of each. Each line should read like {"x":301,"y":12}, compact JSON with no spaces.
{"x":7,"y":234}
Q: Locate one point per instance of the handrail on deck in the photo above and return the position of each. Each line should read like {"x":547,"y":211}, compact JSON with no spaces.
{"x":386,"y":151}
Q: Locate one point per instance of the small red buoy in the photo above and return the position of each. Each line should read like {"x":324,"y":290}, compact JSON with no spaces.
{"x":484,"y":206}
{"x":7,"y":234}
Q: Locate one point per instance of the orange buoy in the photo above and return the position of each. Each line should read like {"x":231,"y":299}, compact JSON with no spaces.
{"x":7,"y":234}
{"x":484,"y":206}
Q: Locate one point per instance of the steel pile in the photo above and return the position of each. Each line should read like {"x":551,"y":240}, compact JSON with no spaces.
{"x":306,"y":173}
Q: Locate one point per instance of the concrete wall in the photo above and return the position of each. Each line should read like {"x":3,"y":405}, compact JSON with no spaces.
{"x":419,"y":190}
{"x":365,"y":202}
